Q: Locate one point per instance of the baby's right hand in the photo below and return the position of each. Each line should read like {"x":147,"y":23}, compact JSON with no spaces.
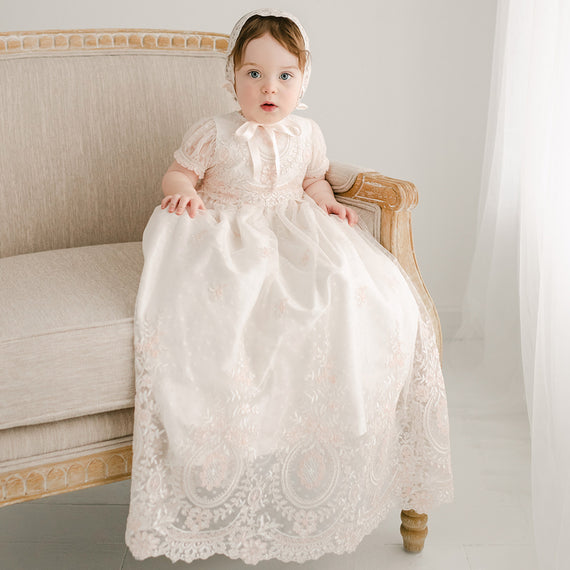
{"x":180,"y":202}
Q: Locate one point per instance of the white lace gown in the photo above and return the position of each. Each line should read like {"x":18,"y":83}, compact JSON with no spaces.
{"x":288,"y":386}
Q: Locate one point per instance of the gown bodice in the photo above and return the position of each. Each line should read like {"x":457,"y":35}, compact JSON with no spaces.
{"x":244,"y":162}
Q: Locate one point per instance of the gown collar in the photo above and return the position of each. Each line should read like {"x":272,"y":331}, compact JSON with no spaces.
{"x":248,"y":131}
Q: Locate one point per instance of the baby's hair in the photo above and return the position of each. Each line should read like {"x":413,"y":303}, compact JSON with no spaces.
{"x":283,"y":30}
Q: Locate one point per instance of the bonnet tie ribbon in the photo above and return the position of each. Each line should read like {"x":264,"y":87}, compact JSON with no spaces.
{"x":248,"y":130}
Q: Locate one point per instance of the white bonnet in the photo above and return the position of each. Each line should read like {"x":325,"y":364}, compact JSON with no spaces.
{"x":229,"y":85}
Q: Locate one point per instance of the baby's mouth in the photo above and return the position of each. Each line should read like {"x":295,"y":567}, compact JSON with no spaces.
{"x":268,"y":106}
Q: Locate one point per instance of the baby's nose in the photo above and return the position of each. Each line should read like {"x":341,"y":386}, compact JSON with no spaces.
{"x":269,"y":87}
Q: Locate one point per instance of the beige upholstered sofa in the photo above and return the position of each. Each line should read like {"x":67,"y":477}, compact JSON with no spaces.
{"x":89,"y":122}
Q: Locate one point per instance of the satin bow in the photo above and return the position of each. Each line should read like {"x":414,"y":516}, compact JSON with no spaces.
{"x":248,"y":130}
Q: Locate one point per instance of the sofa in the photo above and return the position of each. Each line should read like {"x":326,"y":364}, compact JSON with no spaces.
{"x":90,"y":119}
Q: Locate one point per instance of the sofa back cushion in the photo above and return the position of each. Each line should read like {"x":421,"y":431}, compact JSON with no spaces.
{"x":89,"y":126}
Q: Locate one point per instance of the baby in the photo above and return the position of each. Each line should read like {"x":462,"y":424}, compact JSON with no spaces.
{"x":288,"y":385}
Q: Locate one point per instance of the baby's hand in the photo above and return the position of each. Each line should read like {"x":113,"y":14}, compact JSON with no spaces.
{"x":342,"y":211}
{"x":180,"y":202}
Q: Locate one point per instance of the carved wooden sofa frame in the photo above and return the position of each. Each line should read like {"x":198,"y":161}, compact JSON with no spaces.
{"x":388,"y":201}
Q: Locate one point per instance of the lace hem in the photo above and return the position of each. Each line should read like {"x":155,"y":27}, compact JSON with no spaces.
{"x":338,"y":540}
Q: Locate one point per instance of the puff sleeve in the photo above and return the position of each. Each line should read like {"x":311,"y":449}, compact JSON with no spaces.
{"x":319,"y":162}
{"x":196,"y":151}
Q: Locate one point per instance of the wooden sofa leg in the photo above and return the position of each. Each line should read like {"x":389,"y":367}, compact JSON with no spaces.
{"x":413,"y":530}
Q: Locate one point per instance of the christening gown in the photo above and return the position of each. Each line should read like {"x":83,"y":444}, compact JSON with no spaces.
{"x":289,"y":392}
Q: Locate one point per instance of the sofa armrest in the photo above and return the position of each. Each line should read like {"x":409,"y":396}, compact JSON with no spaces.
{"x":396,"y":199}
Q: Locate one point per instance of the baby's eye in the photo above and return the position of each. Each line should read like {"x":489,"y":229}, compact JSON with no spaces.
{"x":285,"y":76}
{"x":254,"y":74}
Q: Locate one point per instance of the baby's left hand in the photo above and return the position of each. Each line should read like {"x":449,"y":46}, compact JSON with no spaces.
{"x":342,"y":211}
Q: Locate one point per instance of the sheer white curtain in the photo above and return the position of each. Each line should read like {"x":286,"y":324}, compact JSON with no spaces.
{"x":518,"y":296}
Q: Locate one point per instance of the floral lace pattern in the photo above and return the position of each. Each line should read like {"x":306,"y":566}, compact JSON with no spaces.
{"x":321,"y":491}
{"x":288,"y":386}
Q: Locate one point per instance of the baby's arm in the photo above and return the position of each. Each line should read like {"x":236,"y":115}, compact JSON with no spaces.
{"x":179,"y":188}
{"x":322,"y":193}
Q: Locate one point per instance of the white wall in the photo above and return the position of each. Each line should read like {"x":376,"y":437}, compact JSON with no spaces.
{"x":400,"y":87}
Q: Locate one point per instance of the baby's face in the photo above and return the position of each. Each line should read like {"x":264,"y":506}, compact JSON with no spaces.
{"x":268,"y":81}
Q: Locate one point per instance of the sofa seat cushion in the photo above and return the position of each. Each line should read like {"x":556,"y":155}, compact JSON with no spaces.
{"x":66,"y":332}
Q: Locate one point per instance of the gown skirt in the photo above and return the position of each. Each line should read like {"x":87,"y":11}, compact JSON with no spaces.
{"x":289,"y":392}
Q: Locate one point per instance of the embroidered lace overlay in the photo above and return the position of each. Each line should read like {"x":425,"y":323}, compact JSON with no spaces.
{"x":288,"y":386}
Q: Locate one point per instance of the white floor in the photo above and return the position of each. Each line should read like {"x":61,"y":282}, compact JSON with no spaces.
{"x":488,"y":527}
